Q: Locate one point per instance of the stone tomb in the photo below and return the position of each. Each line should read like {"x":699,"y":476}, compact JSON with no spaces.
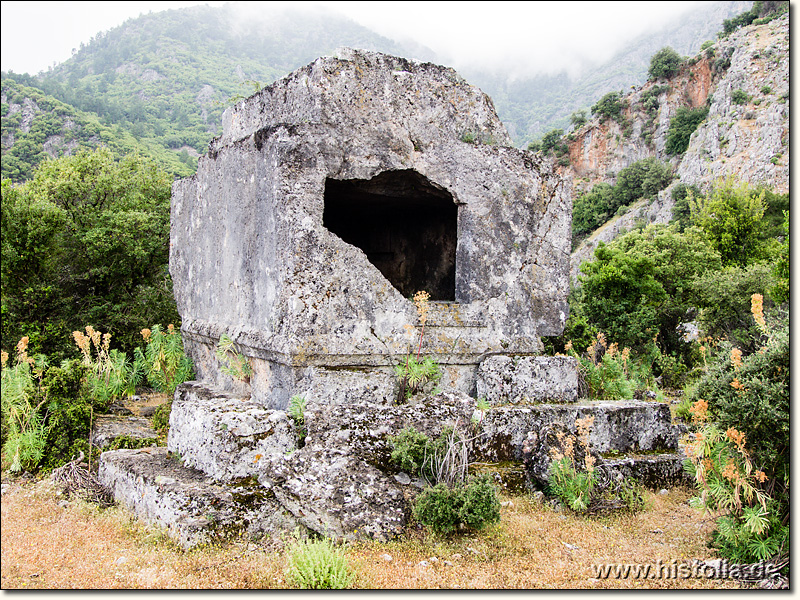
{"x":331,"y":197}
{"x":338,"y":192}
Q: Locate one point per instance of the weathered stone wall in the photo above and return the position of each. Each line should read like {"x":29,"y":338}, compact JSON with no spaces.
{"x":250,"y":255}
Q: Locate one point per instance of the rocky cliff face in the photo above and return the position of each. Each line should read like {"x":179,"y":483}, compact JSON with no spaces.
{"x":745,"y":135}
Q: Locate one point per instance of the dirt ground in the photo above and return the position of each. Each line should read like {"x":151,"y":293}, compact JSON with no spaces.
{"x":50,"y":542}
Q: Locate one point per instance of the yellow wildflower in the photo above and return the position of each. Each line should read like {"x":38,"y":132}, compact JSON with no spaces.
{"x":699,"y":411}
{"x":737,"y":437}
{"x":737,"y":385}
{"x":421,"y":301}
{"x":736,"y":358}
{"x":757,"y":308}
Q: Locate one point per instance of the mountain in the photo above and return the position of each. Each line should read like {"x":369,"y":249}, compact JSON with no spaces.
{"x":164,"y":78}
{"x":742,"y":85}
{"x":531,"y":107}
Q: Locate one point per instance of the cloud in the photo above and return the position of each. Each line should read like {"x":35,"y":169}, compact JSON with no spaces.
{"x":516,"y":39}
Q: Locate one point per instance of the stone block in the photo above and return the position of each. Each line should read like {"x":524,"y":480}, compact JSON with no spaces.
{"x":528,"y":380}
{"x":621,"y":426}
{"x":108,"y":428}
{"x":225,"y":436}
{"x":186,"y":503}
{"x":336,"y":193}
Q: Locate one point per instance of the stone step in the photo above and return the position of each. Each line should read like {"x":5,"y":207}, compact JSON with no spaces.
{"x":619,"y":426}
{"x":108,"y":429}
{"x":654,"y":471}
{"x":186,"y":503}
{"x":224,"y":435}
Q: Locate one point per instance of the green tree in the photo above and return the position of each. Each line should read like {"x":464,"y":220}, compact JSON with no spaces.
{"x":679,"y":259}
{"x":723,"y":298}
{"x":643,"y":179}
{"x":664,"y":64}
{"x":621,"y":295}
{"x":681,"y":211}
{"x":780,"y":291}
{"x":86,"y":241}
{"x":731,"y":216}
{"x":578,"y":119}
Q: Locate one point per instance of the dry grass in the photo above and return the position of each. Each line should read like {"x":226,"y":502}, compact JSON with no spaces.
{"x":47,"y":545}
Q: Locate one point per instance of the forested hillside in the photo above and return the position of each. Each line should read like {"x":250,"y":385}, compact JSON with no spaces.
{"x":163,"y":79}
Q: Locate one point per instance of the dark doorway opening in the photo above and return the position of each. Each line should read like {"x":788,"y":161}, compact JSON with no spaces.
{"x":405,"y":225}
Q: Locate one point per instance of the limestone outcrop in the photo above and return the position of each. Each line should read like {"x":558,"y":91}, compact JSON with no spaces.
{"x":747,"y":138}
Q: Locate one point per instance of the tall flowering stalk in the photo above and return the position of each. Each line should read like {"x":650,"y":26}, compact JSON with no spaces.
{"x":415,"y":374}
{"x":421,"y":302}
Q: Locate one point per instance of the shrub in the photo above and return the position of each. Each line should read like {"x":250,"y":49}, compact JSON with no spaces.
{"x":740,"y":97}
{"x":751,"y":394}
{"x":750,"y":527}
{"x":444,"y":460}
{"x":70,"y":412}
{"x":46,"y":412}
{"x":664,"y":64}
{"x":682,"y":126}
{"x":318,"y":565}
{"x":444,"y":509}
{"x":409,"y":448}
{"x":609,"y":106}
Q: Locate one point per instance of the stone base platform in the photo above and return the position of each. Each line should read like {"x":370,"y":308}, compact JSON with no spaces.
{"x":191,"y":507}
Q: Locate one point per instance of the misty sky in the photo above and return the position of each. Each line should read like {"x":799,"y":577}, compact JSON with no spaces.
{"x":518,"y":38}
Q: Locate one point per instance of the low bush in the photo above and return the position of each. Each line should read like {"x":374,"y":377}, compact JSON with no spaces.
{"x":576,"y":480}
{"x":444,"y":509}
{"x":740,"y":97}
{"x":750,"y":527}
